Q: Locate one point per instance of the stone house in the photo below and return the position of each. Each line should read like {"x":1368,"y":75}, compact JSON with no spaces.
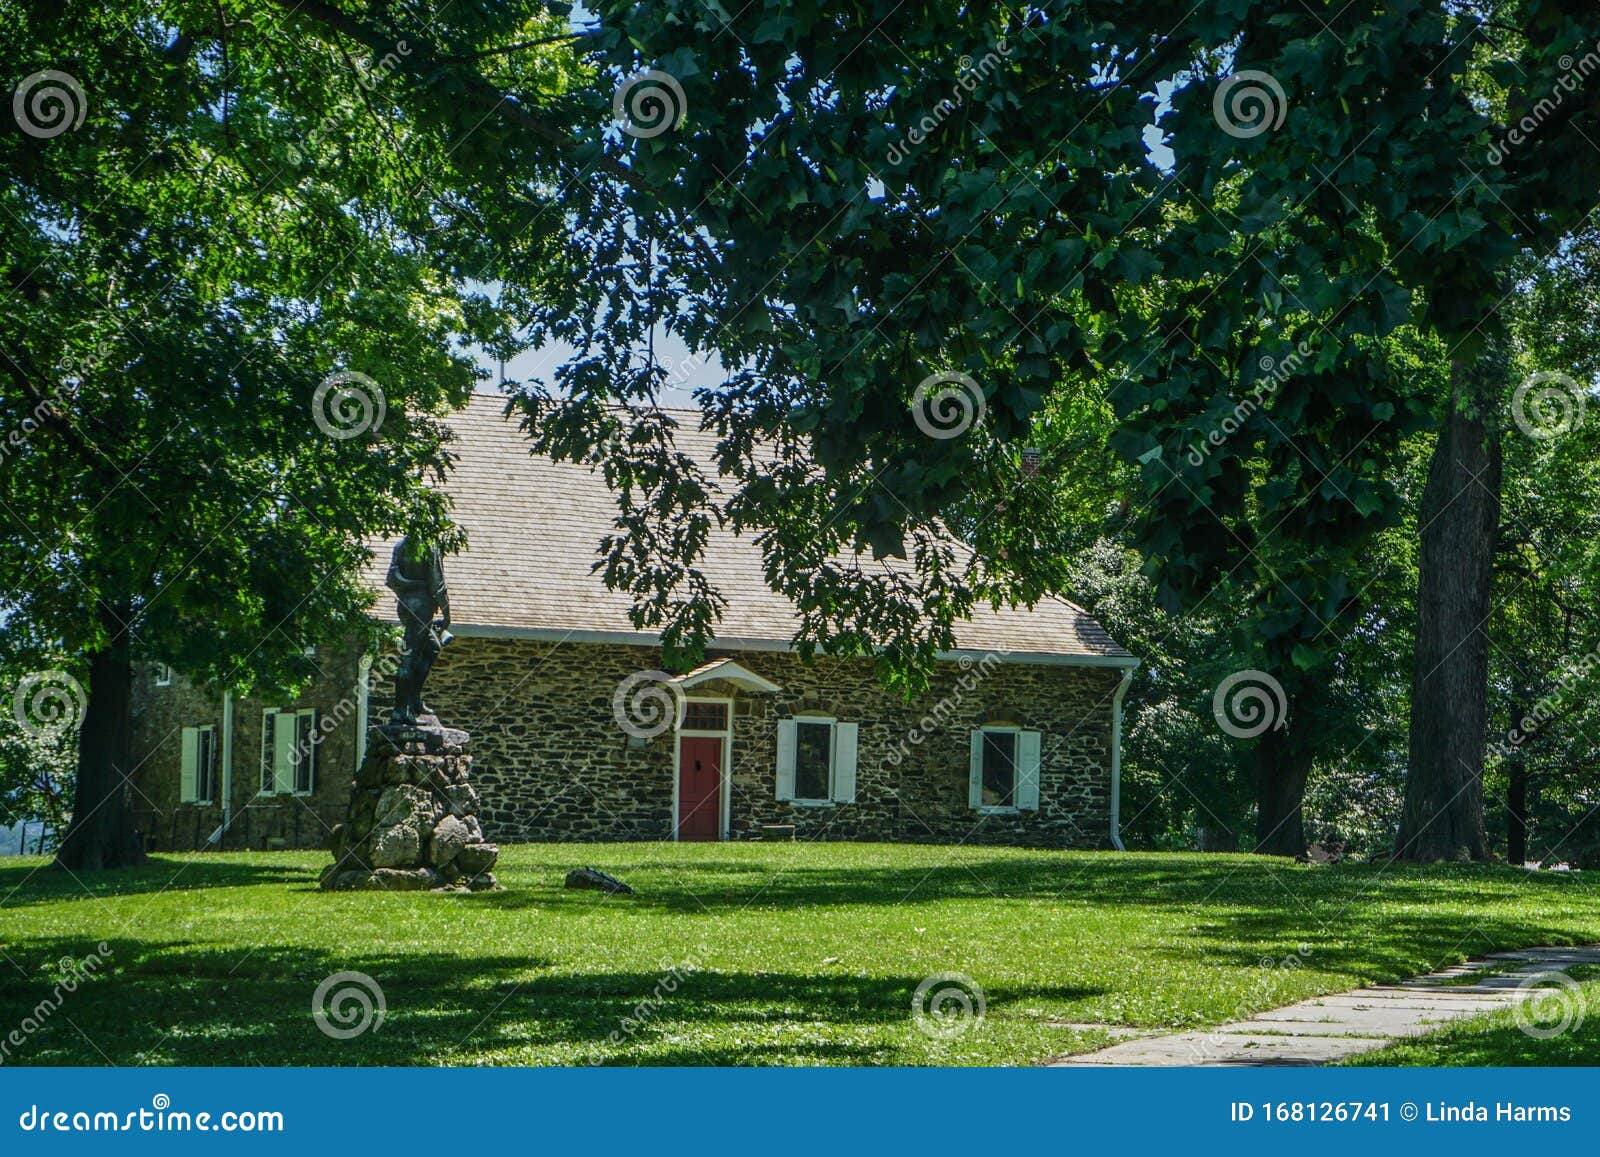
{"x":577,"y":734}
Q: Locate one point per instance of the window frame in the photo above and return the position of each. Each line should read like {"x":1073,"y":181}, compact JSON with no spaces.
{"x":205,"y":770}
{"x":1027,"y":794}
{"x":692,"y":725}
{"x":832,"y":724}
{"x":267,"y":765}
{"x":844,"y":760}
{"x":309,"y":758}
{"x":1015,"y":732}
{"x":163,"y":675}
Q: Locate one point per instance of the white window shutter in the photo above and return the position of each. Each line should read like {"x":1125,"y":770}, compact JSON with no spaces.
{"x":1028,"y":770}
{"x":975,"y":772}
{"x":283,"y":737}
{"x":786,"y":737}
{"x":189,"y":765}
{"x":844,"y":762}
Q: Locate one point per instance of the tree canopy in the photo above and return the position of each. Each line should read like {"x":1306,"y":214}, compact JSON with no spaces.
{"x":1252,"y":264}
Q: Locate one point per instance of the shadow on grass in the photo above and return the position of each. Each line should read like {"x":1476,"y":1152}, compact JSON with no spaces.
{"x":185,"y":1004}
{"x":815,"y":1053}
{"x":716,"y":880}
{"x":1233,"y":883}
{"x":46,"y":883}
{"x":206,"y":1001}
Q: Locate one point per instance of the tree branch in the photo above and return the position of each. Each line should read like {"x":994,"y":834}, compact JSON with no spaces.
{"x":426,"y":57}
{"x":564,"y":38}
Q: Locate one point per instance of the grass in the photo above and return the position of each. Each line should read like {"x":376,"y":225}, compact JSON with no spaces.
{"x":787,"y":953}
{"x":1497,"y":1038}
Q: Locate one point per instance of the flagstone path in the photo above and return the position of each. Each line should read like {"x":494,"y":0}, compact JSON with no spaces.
{"x":1329,"y":1028}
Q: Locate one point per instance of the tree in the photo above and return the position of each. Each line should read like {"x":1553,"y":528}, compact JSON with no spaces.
{"x":1545,"y":628}
{"x":803,"y":196}
{"x":36,"y":750}
{"x":1366,"y":154}
{"x":228,"y":323}
{"x":872,"y":243}
{"x":865,"y":239}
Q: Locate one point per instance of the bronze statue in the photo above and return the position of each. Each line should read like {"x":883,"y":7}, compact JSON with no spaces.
{"x":416,"y":576}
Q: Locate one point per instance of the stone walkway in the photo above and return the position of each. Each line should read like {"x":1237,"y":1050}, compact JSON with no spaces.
{"x":1328,"y":1028}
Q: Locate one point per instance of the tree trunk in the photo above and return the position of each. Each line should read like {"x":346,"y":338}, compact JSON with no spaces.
{"x":1460,"y":516}
{"x":1282,"y":768}
{"x":102,"y":834}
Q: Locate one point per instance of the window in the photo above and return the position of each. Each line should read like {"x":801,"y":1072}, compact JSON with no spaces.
{"x":305,"y":746}
{"x":1004,"y":769}
{"x":289,"y":742}
{"x":813,"y":760}
{"x":999,"y":769}
{"x":163,"y":675}
{"x":198,"y":773}
{"x":700,"y":716}
{"x":816,"y":760}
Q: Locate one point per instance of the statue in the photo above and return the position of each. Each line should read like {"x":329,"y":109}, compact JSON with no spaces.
{"x":416,"y":575}
{"x":412,"y":823}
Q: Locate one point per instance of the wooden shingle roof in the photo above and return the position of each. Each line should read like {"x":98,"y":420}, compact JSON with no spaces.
{"x":534,"y":526}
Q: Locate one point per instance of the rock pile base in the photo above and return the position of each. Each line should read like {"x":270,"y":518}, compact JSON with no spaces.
{"x":413,"y":819}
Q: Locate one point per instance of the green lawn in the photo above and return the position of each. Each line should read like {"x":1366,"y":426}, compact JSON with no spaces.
{"x":1571,"y":1018}
{"x":788,"y":953}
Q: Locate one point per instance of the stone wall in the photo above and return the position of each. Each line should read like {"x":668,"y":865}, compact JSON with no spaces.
{"x":912,"y":758}
{"x":548,"y":759}
{"x":551,"y":763}
{"x":261,"y":820}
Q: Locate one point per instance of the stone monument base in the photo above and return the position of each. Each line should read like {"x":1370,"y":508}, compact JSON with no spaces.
{"x":413,"y":819}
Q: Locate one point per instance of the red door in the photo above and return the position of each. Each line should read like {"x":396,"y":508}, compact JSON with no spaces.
{"x":699,"y":788}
